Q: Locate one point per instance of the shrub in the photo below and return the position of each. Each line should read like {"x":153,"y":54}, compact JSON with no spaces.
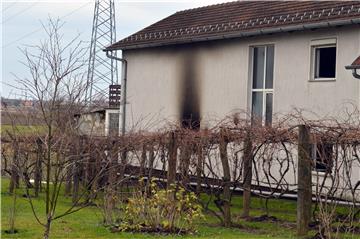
{"x":164,"y":210}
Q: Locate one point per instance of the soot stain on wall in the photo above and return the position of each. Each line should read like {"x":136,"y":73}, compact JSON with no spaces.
{"x":189,"y":91}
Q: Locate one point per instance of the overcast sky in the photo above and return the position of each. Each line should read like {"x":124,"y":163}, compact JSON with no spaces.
{"x":21,"y":25}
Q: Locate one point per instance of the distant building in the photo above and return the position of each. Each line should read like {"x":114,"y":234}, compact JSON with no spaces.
{"x":27,"y":103}
{"x":99,"y":122}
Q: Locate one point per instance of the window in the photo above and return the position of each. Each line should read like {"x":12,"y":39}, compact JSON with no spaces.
{"x":113,"y":123}
{"x":324,"y":59}
{"x":262,"y":84}
{"x":322,"y":155}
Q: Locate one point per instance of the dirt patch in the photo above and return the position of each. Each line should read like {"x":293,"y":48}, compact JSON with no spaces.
{"x":342,"y":229}
{"x":263,"y":218}
{"x":150,"y":230}
{"x":244,"y":228}
{"x":271,"y":219}
{"x":11,"y":231}
{"x":348,"y":229}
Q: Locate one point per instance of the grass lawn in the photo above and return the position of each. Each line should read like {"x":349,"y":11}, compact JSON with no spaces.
{"x":87,"y":223}
{"x":22,"y":129}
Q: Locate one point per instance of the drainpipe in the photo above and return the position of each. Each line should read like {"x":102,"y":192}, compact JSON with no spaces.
{"x":123,"y":92}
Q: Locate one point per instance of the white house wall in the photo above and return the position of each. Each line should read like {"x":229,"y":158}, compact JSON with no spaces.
{"x":220,"y":82}
{"x":221,"y":74}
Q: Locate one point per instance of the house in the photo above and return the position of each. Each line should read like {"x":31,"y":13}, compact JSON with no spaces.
{"x":102,"y":121}
{"x":265,"y":57}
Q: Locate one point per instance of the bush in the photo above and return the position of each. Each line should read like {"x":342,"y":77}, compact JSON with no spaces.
{"x":170,"y":211}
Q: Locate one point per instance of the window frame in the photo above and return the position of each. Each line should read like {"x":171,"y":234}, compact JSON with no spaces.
{"x":108,"y":130}
{"x":318,"y":44}
{"x":265,"y":91}
{"x":114,"y":125}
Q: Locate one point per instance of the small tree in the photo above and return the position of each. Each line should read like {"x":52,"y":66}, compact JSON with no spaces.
{"x":56,"y":84}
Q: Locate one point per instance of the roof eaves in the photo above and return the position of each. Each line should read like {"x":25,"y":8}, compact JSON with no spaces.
{"x":241,"y":34}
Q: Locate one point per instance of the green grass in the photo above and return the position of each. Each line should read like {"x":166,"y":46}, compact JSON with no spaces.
{"x":87,"y":223}
{"x":22,"y":129}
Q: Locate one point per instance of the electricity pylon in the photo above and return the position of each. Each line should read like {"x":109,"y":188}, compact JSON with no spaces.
{"x":102,"y":71}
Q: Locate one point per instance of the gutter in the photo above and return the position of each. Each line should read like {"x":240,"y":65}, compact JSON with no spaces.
{"x":122,"y":109}
{"x":302,"y":27}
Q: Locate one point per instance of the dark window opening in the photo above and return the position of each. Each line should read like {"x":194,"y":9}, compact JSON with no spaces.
{"x":258,"y":68}
{"x":257,"y":106}
{"x":268,"y":109}
{"x":325,"y":62}
{"x":113,"y":123}
{"x":323,"y":155}
{"x":191,"y":121}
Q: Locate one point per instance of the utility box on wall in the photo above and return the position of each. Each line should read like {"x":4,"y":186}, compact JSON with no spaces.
{"x":114,"y":95}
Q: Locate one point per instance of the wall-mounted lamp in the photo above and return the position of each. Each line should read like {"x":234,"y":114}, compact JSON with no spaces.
{"x":355,"y":67}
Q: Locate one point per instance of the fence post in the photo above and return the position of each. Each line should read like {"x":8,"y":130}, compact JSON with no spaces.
{"x":76,"y":171}
{"x":37,"y":176}
{"x":68,"y":183}
{"x":304,"y":190}
{"x":171,"y":174}
{"x":150,"y":167}
{"x":184,"y":164}
{"x":226,"y":178}
{"x":76,"y":182}
{"x":247,"y":172}
{"x":199,"y":167}
{"x":151,"y":161}
{"x":14,"y":181}
{"x":110,"y":188}
{"x":123,"y":161}
{"x":143,"y":160}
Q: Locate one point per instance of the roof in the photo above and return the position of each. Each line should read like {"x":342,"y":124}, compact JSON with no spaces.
{"x":97,"y":110}
{"x":355,"y":64}
{"x":241,"y":19}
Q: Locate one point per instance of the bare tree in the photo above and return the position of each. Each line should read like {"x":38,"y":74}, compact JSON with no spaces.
{"x":56,"y":83}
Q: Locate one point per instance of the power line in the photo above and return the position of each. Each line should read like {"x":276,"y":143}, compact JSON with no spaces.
{"x":9,"y":6}
{"x":17,"y":14}
{"x":40,"y":28}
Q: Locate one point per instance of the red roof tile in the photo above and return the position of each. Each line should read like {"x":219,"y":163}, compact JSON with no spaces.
{"x":235,"y":19}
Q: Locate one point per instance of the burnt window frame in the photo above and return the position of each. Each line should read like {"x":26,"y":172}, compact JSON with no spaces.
{"x":318,"y":44}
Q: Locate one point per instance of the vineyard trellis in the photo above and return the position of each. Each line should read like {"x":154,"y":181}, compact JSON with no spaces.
{"x":229,"y":159}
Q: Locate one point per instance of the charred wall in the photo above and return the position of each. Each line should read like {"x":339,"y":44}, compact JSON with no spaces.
{"x":189,"y":90}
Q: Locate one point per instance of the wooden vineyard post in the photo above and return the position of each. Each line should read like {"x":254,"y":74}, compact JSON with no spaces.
{"x":226,"y":178}
{"x":247,"y":172}
{"x":304,"y":191}
{"x":171,"y":172}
